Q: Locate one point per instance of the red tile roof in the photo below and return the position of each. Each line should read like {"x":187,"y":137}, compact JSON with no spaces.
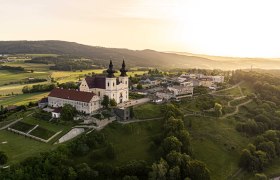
{"x":57,"y":110}
{"x":96,"y":82}
{"x":72,"y":94}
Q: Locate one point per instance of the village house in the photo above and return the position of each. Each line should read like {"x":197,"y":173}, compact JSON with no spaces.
{"x":150,"y":81}
{"x":218,"y":79}
{"x":181,"y":90}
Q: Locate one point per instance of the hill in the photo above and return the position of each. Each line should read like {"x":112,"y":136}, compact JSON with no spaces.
{"x":143,"y":58}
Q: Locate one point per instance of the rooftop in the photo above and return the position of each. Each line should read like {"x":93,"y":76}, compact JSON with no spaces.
{"x":71,"y":94}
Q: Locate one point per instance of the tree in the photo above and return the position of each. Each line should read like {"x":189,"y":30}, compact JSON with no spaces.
{"x":198,"y":170}
{"x":113,"y":102}
{"x":159,"y":170}
{"x":85,"y":172}
{"x":171,"y":143}
{"x":245,"y":158}
{"x":105,"y":102}
{"x":218,"y":109}
{"x":139,"y":86}
{"x":68,"y":112}
{"x":3,"y":158}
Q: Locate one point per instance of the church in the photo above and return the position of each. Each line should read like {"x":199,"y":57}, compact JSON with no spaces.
{"x":114,"y":87}
{"x":92,"y":91}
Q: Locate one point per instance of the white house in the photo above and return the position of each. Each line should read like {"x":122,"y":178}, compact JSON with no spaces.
{"x":181,"y":90}
{"x":218,"y":79}
{"x":86,"y":102}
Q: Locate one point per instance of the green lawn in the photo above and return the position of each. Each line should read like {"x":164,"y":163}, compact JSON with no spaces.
{"x":247,"y":88}
{"x":23,"y":127}
{"x":147,"y":111}
{"x":216,"y":143}
{"x":239,"y":101}
{"x":19,"y":147}
{"x":42,"y":133}
{"x":21,"y":99}
{"x":233,"y":92}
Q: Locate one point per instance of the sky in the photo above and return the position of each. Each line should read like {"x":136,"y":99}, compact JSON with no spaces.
{"x":243,"y":28}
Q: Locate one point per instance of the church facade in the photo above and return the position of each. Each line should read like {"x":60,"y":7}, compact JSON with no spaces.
{"x":88,"y":97}
{"x":116,"y":88}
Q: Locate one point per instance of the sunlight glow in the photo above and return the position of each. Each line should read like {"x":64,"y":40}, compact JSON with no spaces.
{"x":248,"y":28}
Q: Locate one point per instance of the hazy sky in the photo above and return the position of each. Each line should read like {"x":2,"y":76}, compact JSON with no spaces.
{"x":217,"y":27}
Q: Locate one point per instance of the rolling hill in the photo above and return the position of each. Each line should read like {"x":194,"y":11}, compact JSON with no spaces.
{"x":143,"y":58}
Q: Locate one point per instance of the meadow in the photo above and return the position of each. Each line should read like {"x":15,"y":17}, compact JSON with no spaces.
{"x":131,"y":142}
{"x":22,"y":99}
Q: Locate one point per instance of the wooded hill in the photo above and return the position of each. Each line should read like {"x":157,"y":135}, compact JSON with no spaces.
{"x":145,"y":58}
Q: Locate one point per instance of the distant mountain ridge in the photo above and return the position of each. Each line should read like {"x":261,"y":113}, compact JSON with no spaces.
{"x":143,"y":58}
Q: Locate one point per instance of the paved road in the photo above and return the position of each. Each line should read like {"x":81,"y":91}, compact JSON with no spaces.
{"x":139,"y":120}
{"x":133,"y":102}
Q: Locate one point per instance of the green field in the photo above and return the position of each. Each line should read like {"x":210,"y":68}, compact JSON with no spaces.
{"x":7,"y":77}
{"x":42,"y":133}
{"x":131,"y":141}
{"x":230,"y":92}
{"x":216,"y":143}
{"x":147,"y":111}
{"x":23,"y":127}
{"x":22,"y":98}
{"x":19,"y":147}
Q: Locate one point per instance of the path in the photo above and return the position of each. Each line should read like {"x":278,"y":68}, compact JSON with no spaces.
{"x":11,"y":124}
{"x":236,"y":98}
{"x":133,"y":102}
{"x":15,"y":122}
{"x":236,"y":109}
{"x":234,"y":86}
{"x":139,"y":120}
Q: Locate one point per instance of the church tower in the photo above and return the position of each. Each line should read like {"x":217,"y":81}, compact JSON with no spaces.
{"x":111,"y":82}
{"x":124,"y":80}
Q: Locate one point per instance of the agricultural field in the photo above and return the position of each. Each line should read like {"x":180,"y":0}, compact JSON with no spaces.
{"x":22,"y":99}
{"x":8,"y":77}
{"x":66,"y":76}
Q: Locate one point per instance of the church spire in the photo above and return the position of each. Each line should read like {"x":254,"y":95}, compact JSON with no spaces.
{"x":110,"y":70}
{"x":123,"y":70}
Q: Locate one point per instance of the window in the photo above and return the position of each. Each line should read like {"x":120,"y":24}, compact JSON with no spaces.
{"x":99,"y":93}
{"x":113,"y":84}
{"x":108,"y":84}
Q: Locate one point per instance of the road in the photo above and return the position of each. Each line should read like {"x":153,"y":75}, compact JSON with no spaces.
{"x":133,"y":102}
